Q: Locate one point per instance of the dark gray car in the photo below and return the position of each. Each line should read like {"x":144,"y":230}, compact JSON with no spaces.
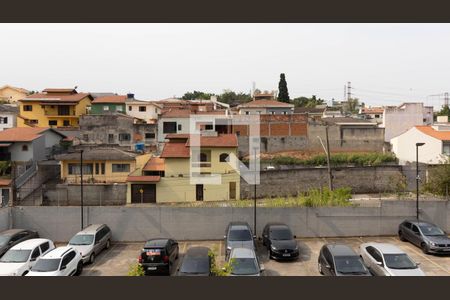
{"x":238,"y":235}
{"x":340,"y":260}
{"x":196,"y":262}
{"x":429,"y":237}
{"x":11,"y":237}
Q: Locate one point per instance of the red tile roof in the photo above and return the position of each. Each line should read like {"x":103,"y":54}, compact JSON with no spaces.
{"x":57,"y":98}
{"x":175,"y":150}
{"x":440,"y":135}
{"x":372,"y":110}
{"x":5,"y":182}
{"x":110,"y":99}
{"x":220,"y":141}
{"x":176,"y":113}
{"x":143,"y":178}
{"x":154,"y":164}
{"x":265,"y":103}
{"x":21,"y":134}
{"x":69,"y":91}
{"x":177,"y":136}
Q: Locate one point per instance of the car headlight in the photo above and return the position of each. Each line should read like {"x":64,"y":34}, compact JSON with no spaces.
{"x":273,"y":247}
{"x":433,"y":244}
{"x":296,"y":247}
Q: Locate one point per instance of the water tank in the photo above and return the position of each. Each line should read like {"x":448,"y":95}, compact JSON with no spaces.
{"x":139,"y":147}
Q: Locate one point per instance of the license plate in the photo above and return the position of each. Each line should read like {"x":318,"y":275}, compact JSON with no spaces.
{"x":151,"y":268}
{"x":286,"y":254}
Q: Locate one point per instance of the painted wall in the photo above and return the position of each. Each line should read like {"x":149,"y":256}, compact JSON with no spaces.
{"x":10,"y":122}
{"x":102,"y":108}
{"x":109,"y":175}
{"x":151,"y":110}
{"x":184,"y":122}
{"x":36,"y":150}
{"x":11,"y":95}
{"x":404,"y":147}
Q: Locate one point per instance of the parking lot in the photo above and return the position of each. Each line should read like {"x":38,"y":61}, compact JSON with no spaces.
{"x":116,"y":260}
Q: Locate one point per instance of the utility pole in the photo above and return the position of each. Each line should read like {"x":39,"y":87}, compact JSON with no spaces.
{"x":446,"y":99}
{"x":81,"y":188}
{"x":349,"y":90}
{"x":327,"y":153}
{"x":254,"y":202}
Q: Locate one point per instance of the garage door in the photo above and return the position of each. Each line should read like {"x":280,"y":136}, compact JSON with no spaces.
{"x":143,"y":193}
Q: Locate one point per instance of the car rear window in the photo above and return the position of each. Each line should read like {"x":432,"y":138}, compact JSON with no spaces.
{"x":240,"y":235}
{"x":46,"y":265}
{"x":195,"y":265}
{"x":13,"y":256}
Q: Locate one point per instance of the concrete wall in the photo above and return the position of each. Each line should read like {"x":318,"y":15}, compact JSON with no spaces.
{"x":11,"y":119}
{"x":4,"y":218}
{"x":141,"y":223}
{"x":98,"y":194}
{"x":278,"y":183}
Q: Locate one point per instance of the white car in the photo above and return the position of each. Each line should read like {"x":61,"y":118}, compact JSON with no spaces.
{"x":61,"y":261}
{"x":18,"y":260}
{"x":388,"y":260}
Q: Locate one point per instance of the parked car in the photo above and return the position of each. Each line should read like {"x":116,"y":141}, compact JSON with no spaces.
{"x":340,"y":260}
{"x":238,"y":234}
{"x":61,"y":261}
{"x":11,"y":237}
{"x":429,"y":237}
{"x":244,"y":262}
{"x":159,"y":256}
{"x":196,"y":262}
{"x":388,"y":260}
{"x":18,"y":260}
{"x":91,"y":241}
{"x":279,"y":241}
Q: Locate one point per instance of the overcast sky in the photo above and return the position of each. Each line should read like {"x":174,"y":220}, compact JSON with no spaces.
{"x":386,"y":63}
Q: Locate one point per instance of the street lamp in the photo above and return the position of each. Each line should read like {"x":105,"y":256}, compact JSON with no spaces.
{"x":254,"y":201}
{"x":327,"y":153}
{"x":417,"y":179}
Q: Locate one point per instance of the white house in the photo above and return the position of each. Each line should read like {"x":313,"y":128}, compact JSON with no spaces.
{"x":8,"y":116}
{"x":145,"y":110}
{"x":398,"y":119}
{"x":266,"y":107}
{"x":435,"y":150}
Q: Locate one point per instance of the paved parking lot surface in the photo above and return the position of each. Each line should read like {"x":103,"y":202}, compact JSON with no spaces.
{"x":116,"y":260}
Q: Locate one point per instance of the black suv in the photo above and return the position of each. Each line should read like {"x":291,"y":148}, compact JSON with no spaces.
{"x":340,"y":260}
{"x":158,"y":256}
{"x":279,"y":241}
{"x":429,"y":237}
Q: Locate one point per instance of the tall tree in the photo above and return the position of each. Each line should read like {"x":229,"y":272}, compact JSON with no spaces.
{"x":196,"y":95}
{"x":445,"y":111}
{"x":283,"y":94}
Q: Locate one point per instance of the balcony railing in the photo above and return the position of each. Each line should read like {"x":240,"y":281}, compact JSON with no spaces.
{"x":201,"y":164}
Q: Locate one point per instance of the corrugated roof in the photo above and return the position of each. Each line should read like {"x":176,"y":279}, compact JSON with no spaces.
{"x":440,"y":135}
{"x":265,"y":103}
{"x":111,"y":99}
{"x":9,"y":109}
{"x":60,"y":90}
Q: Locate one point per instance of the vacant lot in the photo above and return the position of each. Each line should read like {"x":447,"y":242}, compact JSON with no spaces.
{"x":116,"y":260}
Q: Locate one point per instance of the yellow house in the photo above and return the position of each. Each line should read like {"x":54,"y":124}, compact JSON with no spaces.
{"x":53,"y":108}
{"x":12,"y":94}
{"x":168,"y":178}
{"x":100,"y":165}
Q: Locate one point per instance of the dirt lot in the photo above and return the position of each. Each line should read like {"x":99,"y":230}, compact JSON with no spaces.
{"x":116,"y":260}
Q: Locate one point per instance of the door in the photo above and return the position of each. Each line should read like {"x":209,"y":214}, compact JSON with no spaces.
{"x":34,"y":256}
{"x":199,"y":192}
{"x":143,"y":193}
{"x":376,"y":257}
{"x":98,"y":242}
{"x":68,"y":267}
{"x":232,"y":190}
{"x":415,"y":235}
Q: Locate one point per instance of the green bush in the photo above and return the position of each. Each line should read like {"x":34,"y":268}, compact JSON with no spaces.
{"x":216,"y":270}
{"x":438,"y":182}
{"x":136,"y":269}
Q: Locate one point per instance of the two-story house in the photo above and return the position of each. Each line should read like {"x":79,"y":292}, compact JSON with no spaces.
{"x":145,"y":110}
{"x":53,"y":107}
{"x":8,"y":116}
{"x":109,"y":104}
{"x":11,"y":94}
{"x":265,"y":107}
{"x":182,"y":173}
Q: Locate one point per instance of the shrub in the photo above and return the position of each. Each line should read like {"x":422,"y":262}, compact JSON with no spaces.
{"x":438,"y":182}
{"x":216,"y":270}
{"x":136,"y":269}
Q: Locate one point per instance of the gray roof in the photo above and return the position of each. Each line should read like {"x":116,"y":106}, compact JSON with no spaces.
{"x":99,"y":154}
{"x":9,"y":108}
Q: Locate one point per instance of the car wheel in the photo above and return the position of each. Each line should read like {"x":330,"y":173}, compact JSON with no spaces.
{"x":401,"y":237}
{"x":108,"y":244}
{"x":79,"y":268}
{"x":424,"y":248}
{"x":319,"y":267}
{"x":92,"y":258}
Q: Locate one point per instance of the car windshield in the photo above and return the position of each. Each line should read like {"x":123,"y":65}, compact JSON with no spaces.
{"x":240,"y":235}
{"x":46,"y":265}
{"x":244,"y":266}
{"x":195,"y":265}
{"x":349,"y":265}
{"x":15,"y":256}
{"x":431,"y":230}
{"x":3,"y":240}
{"x":82,"y":239}
{"x":280,"y":234}
{"x":399,"y":261}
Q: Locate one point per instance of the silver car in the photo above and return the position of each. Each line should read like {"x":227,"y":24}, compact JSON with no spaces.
{"x":244,"y":262}
{"x":388,"y":260}
{"x":91,"y":241}
{"x":238,"y":235}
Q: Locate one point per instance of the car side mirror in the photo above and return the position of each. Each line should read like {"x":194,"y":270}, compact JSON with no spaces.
{"x":33,"y":259}
{"x":418,"y":264}
{"x":327,"y":266}
{"x":63,"y":267}
{"x":379,"y":263}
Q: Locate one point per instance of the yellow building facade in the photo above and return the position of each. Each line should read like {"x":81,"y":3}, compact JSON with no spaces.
{"x":11,"y":94}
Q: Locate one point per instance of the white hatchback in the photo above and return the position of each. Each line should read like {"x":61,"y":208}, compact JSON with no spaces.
{"x":61,"y":261}
{"x":18,"y":260}
{"x":388,"y":260}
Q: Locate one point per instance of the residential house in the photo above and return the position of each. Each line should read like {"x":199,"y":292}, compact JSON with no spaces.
{"x":168,"y":178}
{"x":436,"y":149}
{"x":8,"y":116}
{"x":53,"y":107}
{"x":23,"y":144}
{"x":5,"y":192}
{"x":145,"y":110}
{"x":11,"y":94}
{"x":265,"y":107}
{"x":314,"y":113}
{"x":398,"y":119}
{"x":117,"y":130}
{"x":266,"y":95}
{"x":109,"y":104}
{"x":372,"y":113}
{"x":332,"y":112}
{"x":100,"y":165}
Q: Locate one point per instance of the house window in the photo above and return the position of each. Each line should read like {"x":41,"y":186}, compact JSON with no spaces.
{"x":446,"y":149}
{"x":25,"y":148}
{"x":223,"y":157}
{"x":247,"y":112}
{"x":203,"y":157}
{"x":102,"y":165}
{"x":209,"y":127}
{"x":85,"y":137}
{"x":142,"y":108}
{"x":170,"y":127}
{"x":124,"y":136}
{"x":28,"y":108}
{"x":66,"y":123}
{"x":110,"y":138}
{"x":53,"y":123}
{"x":149,"y":135}
{"x":97,"y":168}
{"x":273,"y":112}
{"x":119,"y":108}
{"x":120,"y":168}
{"x":284,"y":112}
{"x":377,"y":116}
{"x":238,"y":133}
{"x":179,"y":127}
{"x":105,"y":108}
{"x":74,"y":169}
{"x":4,"y":120}
{"x":130,"y":108}
{"x":33,"y":122}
